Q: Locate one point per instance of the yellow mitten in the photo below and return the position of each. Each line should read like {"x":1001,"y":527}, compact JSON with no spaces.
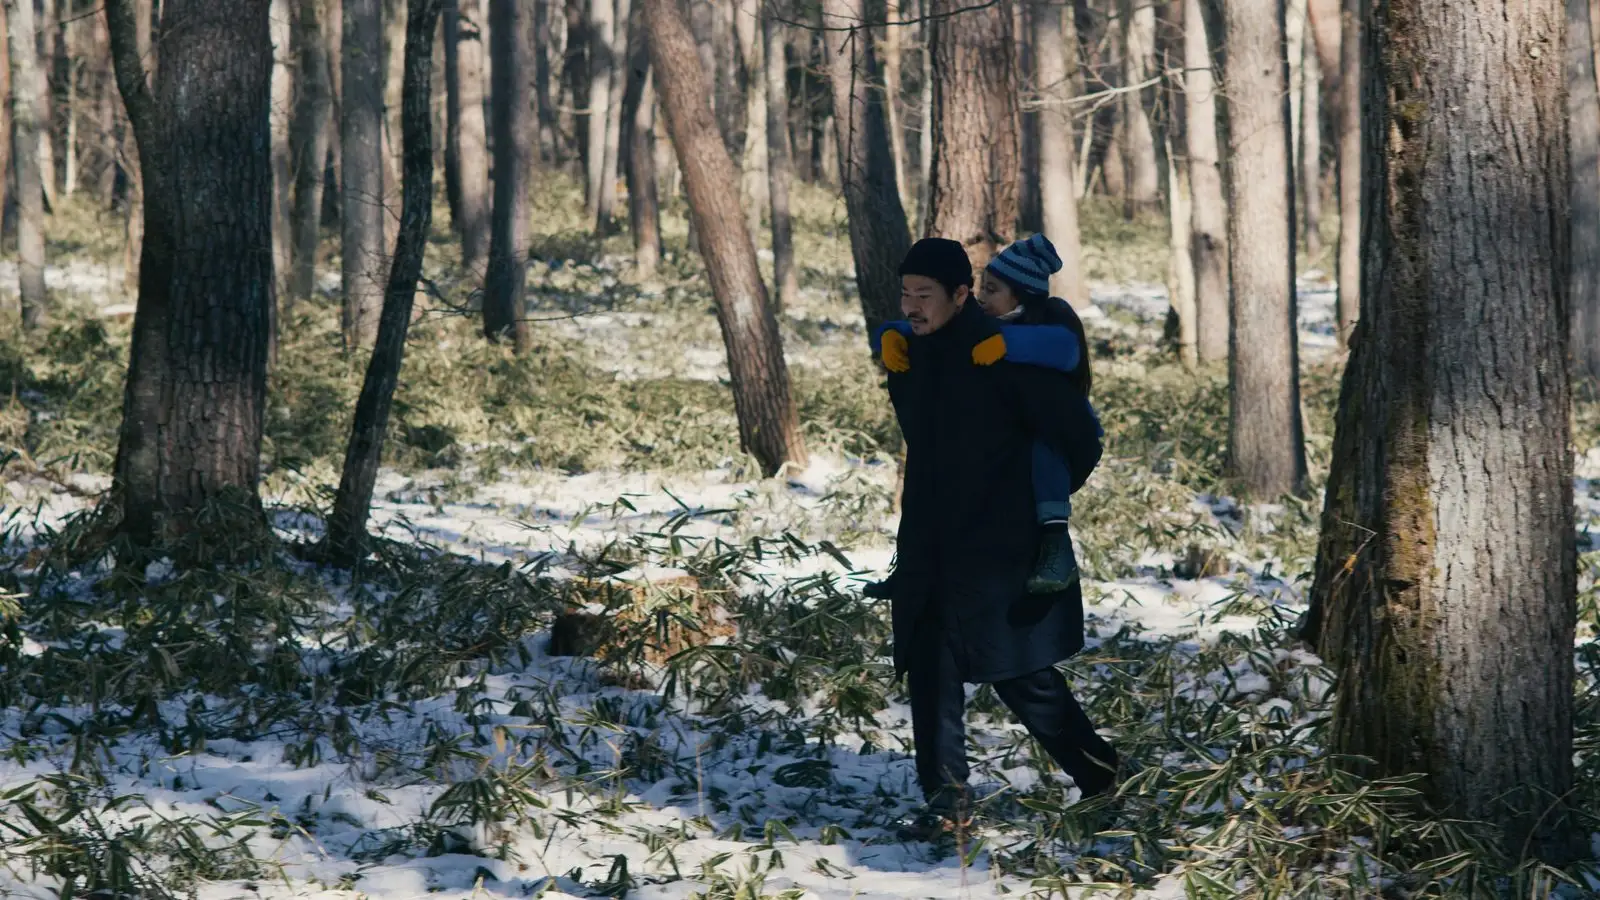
{"x":895,"y":352}
{"x":990,"y":350}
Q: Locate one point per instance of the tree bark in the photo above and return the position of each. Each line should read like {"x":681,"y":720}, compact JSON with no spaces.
{"x":46,"y":47}
{"x":639,"y":111}
{"x":466,"y":159}
{"x":7,"y":134}
{"x":197,"y":374}
{"x":602,"y":44}
{"x":347,"y":526}
{"x":363,"y":166}
{"x":1350,"y":179}
{"x":1056,"y":178}
{"x":1142,"y":173}
{"x":753,"y":159}
{"x":1208,"y":210}
{"x":605,"y":221}
{"x":283,"y":98}
{"x":544,"y":41}
{"x":894,"y":92}
{"x":511,"y":49}
{"x":976,"y":155}
{"x":925,"y":118}
{"x":879,"y":235}
{"x":1583,"y":112}
{"x":780,"y":162}
{"x":1266,"y":448}
{"x":26,"y":125}
{"x":134,"y":232}
{"x":1447,"y":597}
{"x":769,"y":428}
{"x":308,"y":139}
{"x":394,"y":38}
{"x":333,"y":188}
{"x":73,"y":64}
{"x":1311,"y":149}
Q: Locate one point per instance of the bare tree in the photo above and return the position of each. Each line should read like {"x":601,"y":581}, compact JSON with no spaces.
{"x":347,"y":526}
{"x":769,"y":427}
{"x":1265,"y":440}
{"x":753,"y":158}
{"x":639,"y":115}
{"x":1583,"y":112}
{"x":1142,"y":174}
{"x":197,"y":373}
{"x":1208,"y":209}
{"x":27,"y":83}
{"x":514,"y":132}
{"x":308,"y":141}
{"x":283,"y":91}
{"x":780,"y":161}
{"x":466,"y":157}
{"x":7,"y":134}
{"x":1311,"y":149}
{"x":879,"y":235}
{"x":1446,"y":598}
{"x":973,"y":196}
{"x":1056,"y":178}
{"x":1350,"y":177}
{"x":361,"y":144}
{"x":893,"y":55}
{"x":602,"y":45}
{"x":606,"y":215}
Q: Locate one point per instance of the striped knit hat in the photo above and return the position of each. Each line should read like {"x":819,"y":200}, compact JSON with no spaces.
{"x":1028,"y":264}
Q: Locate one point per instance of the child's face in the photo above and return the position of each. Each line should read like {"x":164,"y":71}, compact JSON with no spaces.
{"x":997,"y":298}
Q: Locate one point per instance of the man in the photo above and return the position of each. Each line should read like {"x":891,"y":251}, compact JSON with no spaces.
{"x":968,"y":534}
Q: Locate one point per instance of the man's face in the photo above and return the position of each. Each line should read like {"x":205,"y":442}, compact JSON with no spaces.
{"x":927,"y":305}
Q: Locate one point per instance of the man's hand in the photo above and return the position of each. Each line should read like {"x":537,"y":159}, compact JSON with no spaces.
{"x":895,"y":353}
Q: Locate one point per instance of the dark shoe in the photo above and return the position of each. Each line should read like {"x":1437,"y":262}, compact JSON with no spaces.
{"x":947,"y":813}
{"x":1057,"y":569}
{"x":1102,"y":778}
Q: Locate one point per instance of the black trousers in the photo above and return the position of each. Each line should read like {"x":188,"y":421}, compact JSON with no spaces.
{"x":1041,"y":700}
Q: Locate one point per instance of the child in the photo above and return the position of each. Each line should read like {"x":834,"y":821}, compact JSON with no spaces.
{"x":1041,"y":330}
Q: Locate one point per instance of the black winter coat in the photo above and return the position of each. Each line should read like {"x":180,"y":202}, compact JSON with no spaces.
{"x":968,"y":529}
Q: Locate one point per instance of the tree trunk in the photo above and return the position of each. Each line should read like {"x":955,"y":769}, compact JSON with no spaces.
{"x":134,"y":231}
{"x":514,"y":132}
{"x":602,"y":44}
{"x":1448,"y":597}
{"x":639,"y":103}
{"x":544,"y":41}
{"x":1208,"y":210}
{"x":879,"y":235}
{"x":753,"y":160}
{"x":73,"y":64}
{"x":893,"y":37}
{"x":605,"y":221}
{"x":1311,"y":149}
{"x":466,"y":158}
{"x":45,"y":44}
{"x":197,"y":374}
{"x":1180,"y":261}
{"x":363,"y":165}
{"x":7,"y":134}
{"x":975,"y":152}
{"x":27,"y":87}
{"x":309,"y":144}
{"x":574,"y":86}
{"x":1583,"y":112}
{"x":769,"y":428}
{"x":728,"y":102}
{"x":283,"y":97}
{"x":1142,"y":190}
{"x":1349,"y":132}
{"x":780,"y":163}
{"x":1056,"y":178}
{"x":394,"y":40}
{"x":333,"y":188}
{"x":925,"y":117}
{"x":347,"y":527}
{"x":1265,"y":444}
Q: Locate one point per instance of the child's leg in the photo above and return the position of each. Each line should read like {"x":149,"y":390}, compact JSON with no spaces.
{"x":1052,"y":484}
{"x":1057,"y":567}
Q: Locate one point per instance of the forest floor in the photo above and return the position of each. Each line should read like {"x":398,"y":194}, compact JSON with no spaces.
{"x":284,"y":729}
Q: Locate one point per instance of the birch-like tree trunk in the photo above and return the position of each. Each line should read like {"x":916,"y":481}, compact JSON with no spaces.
{"x":1057,"y":182}
{"x":780,"y":160}
{"x":26,"y":125}
{"x":466,"y":158}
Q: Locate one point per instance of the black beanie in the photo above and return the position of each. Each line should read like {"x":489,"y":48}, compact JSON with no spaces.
{"x":941,"y":259}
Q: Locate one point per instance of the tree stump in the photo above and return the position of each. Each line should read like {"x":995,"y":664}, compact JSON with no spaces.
{"x":643,"y":614}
